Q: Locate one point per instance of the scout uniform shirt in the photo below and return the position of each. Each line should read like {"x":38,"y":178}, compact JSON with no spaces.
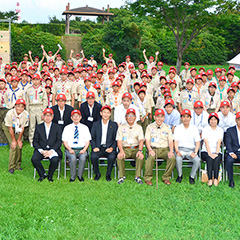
{"x":78,"y":84}
{"x":211,"y":102}
{"x":25,"y":86}
{"x":130,"y":136}
{"x":36,"y":97}
{"x":83,"y":94}
{"x":159,"y":136}
{"x":11,"y":96}
{"x":178,"y":81}
{"x":76,"y":61}
{"x":66,"y":87}
{"x":160,"y":102}
{"x":185,"y":75}
{"x":175,"y":94}
{"x":144,"y":107}
{"x":150,"y":65}
{"x":16,"y":121}
{"x":114,"y":99}
{"x":161,"y":73}
{"x":92,"y":62}
{"x":113,"y":61}
{"x":2,"y":68}
{"x":155,"y":82}
{"x":234,"y":104}
{"x":222,"y":92}
{"x":2,"y":101}
{"x":187,"y":99}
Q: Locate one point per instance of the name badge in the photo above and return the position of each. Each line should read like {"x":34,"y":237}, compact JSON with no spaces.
{"x":90,"y":119}
{"x":60,"y":122}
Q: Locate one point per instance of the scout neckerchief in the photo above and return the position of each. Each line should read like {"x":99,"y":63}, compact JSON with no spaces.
{"x":23,"y":85}
{"x":141,"y":105}
{"x":17,"y":125}
{"x":173,"y":92}
{"x":194,"y":114}
{"x":49,"y":99}
{"x":189,"y":95}
{"x":86,"y":88}
{"x":198,"y":88}
{"x":221,"y":92}
{"x":212,"y":98}
{"x":231,"y":103}
{"x":2,"y":93}
{"x":36,"y":91}
{"x":13,"y":93}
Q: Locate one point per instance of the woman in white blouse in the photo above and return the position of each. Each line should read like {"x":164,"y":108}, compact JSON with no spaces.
{"x":212,"y":136}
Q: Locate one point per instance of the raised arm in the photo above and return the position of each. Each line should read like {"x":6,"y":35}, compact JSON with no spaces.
{"x":82,"y":53}
{"x":104,"y":56}
{"x":71,"y":53}
{"x":30,"y":56}
{"x":44,"y":52}
{"x":144,"y":55}
{"x":56,"y":52}
{"x":156,"y":58}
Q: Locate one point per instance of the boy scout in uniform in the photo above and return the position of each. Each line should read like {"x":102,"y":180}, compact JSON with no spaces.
{"x":185,"y":73}
{"x":161,"y":72}
{"x":87,"y":88}
{"x":130,"y":144}
{"x":77,"y":60}
{"x":36,"y":102}
{"x":14,"y":123}
{"x":13,"y":93}
{"x":159,"y":140}
{"x":110,"y":58}
{"x":222,"y":88}
{"x":24,"y":84}
{"x":3,"y":110}
{"x":187,"y":96}
{"x":64,"y":86}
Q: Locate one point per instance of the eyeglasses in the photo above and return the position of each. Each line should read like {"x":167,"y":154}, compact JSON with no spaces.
{"x":130,"y":115}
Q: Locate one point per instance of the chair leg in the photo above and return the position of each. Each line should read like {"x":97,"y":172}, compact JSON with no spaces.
{"x":34,"y":173}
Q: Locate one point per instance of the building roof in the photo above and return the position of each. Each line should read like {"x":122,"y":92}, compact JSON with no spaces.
{"x":89,"y":11}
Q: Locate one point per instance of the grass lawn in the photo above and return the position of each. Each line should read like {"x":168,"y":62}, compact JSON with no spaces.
{"x":106,"y":210}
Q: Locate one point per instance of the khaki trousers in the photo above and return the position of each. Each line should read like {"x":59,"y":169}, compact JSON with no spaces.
{"x":15,"y":155}
{"x":162,"y":153}
{"x":130,"y":153}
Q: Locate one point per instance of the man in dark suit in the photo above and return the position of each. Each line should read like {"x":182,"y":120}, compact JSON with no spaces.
{"x":90,"y":110}
{"x":47,"y":143}
{"x":232,"y":142}
{"x":62,"y":111}
{"x":104,"y":142}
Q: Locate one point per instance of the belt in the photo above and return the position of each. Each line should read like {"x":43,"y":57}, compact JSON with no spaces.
{"x":132,"y":147}
{"x":103,"y":145}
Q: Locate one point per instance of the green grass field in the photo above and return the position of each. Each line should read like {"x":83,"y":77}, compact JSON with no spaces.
{"x":106,"y":210}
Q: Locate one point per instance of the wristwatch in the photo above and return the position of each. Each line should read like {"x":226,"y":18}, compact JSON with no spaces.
{"x":140,"y":150}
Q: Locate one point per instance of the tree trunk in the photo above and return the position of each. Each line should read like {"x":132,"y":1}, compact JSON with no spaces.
{"x":179,"y":61}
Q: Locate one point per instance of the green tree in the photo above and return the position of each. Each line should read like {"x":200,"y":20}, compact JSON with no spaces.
{"x":186,"y":19}
{"x":11,"y":14}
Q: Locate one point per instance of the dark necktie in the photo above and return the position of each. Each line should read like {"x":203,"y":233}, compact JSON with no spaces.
{"x":76,"y":134}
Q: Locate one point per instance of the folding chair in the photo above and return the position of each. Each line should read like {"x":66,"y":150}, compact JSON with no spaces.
{"x":46,"y":169}
{"x":66,"y":168}
{"x":234,"y":173}
{"x":131,"y":169}
{"x":161,"y":169}
{"x":105,"y":165}
{"x":188,"y":164}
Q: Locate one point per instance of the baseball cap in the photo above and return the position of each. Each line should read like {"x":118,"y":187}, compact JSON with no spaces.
{"x":141,"y":90}
{"x":198,"y":104}
{"x":190,"y":81}
{"x":61,"y":96}
{"x":213,"y":115}
{"x":87,"y":79}
{"x":131,"y":110}
{"x":75,"y":111}
{"x":97,"y":86}
{"x":237,"y":115}
{"x":116,"y":83}
{"x":90,"y":94}
{"x":106,"y":107}
{"x":212,"y":84}
{"x":169,"y":101}
{"x":159,"y":111}
{"x":222,"y":78}
{"x":209,"y":72}
{"x":36,"y":76}
{"x":186,"y":111}
{"x":20,"y":101}
{"x":128,"y":95}
{"x":14,"y":78}
{"x":48,"y":110}
{"x":225,"y":103}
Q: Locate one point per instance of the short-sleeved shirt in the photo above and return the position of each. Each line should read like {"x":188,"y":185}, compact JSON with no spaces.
{"x":114,"y":99}
{"x":186,"y":138}
{"x":212,"y":136}
{"x":16,"y":121}
{"x":187,"y":99}
{"x":185,"y":74}
{"x":83,"y":94}
{"x":76,"y":61}
{"x":10,"y":97}
{"x":211,"y":102}
{"x":226,"y":122}
{"x":200,"y":121}
{"x":2,"y":101}
{"x":172,"y":119}
{"x":84,"y":135}
{"x":159,"y":136}
{"x":130,"y":136}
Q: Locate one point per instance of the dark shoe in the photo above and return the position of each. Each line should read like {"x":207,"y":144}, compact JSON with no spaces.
{"x":108,"y":178}
{"x":50,"y":179}
{"x":81,"y":179}
{"x":149,"y":183}
{"x":191,"y":181}
{"x":102,"y":162}
{"x":133,"y":163}
{"x":42,"y":178}
{"x":11,"y":171}
{"x":71,"y":180}
{"x":231,"y":184}
{"x":179,"y":179}
{"x":20,"y":169}
{"x":120,"y":181}
{"x":167,"y":182}
{"x":97,"y":177}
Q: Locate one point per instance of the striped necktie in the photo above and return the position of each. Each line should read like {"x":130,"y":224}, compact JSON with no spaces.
{"x":76,"y":134}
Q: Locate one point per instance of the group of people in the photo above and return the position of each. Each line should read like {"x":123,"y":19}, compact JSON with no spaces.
{"x":118,"y":110}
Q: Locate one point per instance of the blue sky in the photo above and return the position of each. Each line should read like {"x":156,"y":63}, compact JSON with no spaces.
{"x":38,"y":11}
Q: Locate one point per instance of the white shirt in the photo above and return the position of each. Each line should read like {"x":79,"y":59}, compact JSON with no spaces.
{"x":47,"y":131}
{"x":200,"y":121}
{"x":186,"y":138}
{"x":120,"y":112}
{"x":212,"y":136}
{"x":83,"y":137}
{"x":61,"y":112}
{"x":226,"y":122}
{"x":238,"y":134}
{"x":104,"y":132}
{"x":90,"y":110}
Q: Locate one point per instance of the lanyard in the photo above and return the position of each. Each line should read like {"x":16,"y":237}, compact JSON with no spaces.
{"x":194,"y":119}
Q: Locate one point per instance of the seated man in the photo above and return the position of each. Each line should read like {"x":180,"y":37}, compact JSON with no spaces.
{"x":104,"y":142}
{"x":62,"y":111}
{"x":47,"y":143}
{"x":130,"y":144}
{"x":187,"y":142}
{"x":233,"y":148}
{"x":172,"y":116}
{"x":159,"y":141}
{"x":76,"y":138}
